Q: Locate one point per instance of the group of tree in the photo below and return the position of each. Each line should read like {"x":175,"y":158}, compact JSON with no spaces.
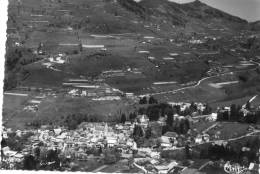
{"x":42,"y":160}
{"x":234,"y":152}
{"x":180,"y":126}
{"x":15,"y":142}
{"x":145,"y":100}
{"x":16,"y":58}
{"x":123,"y":119}
{"x":111,"y":155}
{"x":73,"y":120}
{"x":70,"y":121}
{"x":132,"y":116}
{"x":236,"y":114}
{"x":154,"y":112}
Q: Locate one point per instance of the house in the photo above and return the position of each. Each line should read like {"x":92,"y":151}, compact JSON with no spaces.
{"x":161,"y":169}
{"x":199,"y":139}
{"x":165,"y":142}
{"x":128,"y":123}
{"x":175,"y":116}
{"x":254,"y":168}
{"x":129,"y":95}
{"x":57,"y":131}
{"x":7,"y":152}
{"x":171,"y":134}
{"x":18,"y":157}
{"x":155,"y":155}
{"x":4,"y":134}
{"x":154,"y":162}
{"x":111,"y":141}
{"x":227,"y":108}
{"x":212,"y":117}
{"x":205,"y":137}
{"x":245,"y":149}
{"x":172,"y":137}
{"x":119,"y":127}
{"x":18,"y":133}
{"x":143,"y":120}
{"x":244,"y":111}
{"x":146,"y":151}
{"x":162,"y":121}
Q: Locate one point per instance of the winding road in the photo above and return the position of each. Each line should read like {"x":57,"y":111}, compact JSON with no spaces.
{"x":199,"y":82}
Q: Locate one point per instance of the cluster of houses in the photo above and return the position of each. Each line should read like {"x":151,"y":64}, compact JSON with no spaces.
{"x":75,"y":144}
{"x":97,"y":91}
{"x":120,"y":72}
{"x":53,"y":60}
{"x":88,"y":135}
{"x":10,"y":157}
{"x":183,"y":106}
{"x":78,"y":144}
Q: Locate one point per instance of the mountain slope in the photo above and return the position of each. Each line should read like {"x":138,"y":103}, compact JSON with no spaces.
{"x":255,"y":26}
{"x":183,"y":15}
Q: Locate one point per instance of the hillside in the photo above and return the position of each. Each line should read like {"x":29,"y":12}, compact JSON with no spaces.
{"x":255,"y":26}
{"x":138,"y":36}
{"x":196,"y":15}
{"x":88,"y":51}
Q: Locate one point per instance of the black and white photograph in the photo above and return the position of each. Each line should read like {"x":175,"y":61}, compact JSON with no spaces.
{"x":130,"y":86}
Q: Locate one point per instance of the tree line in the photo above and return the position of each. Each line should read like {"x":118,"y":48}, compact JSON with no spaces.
{"x":240,"y":152}
{"x":236,"y":114}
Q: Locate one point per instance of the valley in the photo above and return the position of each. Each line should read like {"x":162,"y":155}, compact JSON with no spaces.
{"x":167,"y":79}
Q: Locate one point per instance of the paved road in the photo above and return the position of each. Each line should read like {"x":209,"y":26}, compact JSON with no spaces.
{"x":100,"y":168}
{"x":231,"y":139}
{"x":211,"y":127}
{"x":198,"y":83}
{"x":204,"y":165}
{"x":252,"y":99}
{"x":141,"y":168}
{"x":16,"y":94}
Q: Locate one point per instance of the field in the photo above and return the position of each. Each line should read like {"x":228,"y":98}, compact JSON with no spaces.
{"x":13,"y":102}
{"x":229,"y":130}
{"x":40,"y":76}
{"x":229,"y":102}
{"x":54,"y":110}
{"x":201,"y":126}
{"x":202,"y":92}
{"x":146,"y":45}
{"x":120,"y":167}
{"x":213,"y":170}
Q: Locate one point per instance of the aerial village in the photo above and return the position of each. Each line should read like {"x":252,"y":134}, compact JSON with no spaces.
{"x":164,"y":136}
{"x":140,"y":143}
{"x":107,"y":143}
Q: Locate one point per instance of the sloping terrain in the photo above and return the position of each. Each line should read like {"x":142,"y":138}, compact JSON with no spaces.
{"x":152,"y":47}
{"x":140,"y":36}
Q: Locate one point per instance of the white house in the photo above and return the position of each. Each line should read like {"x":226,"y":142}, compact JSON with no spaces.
{"x":199,"y":139}
{"x":111,"y":141}
{"x":206,"y":137}
{"x":165,"y":142}
{"x":213,"y":117}
{"x":4,"y":134}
